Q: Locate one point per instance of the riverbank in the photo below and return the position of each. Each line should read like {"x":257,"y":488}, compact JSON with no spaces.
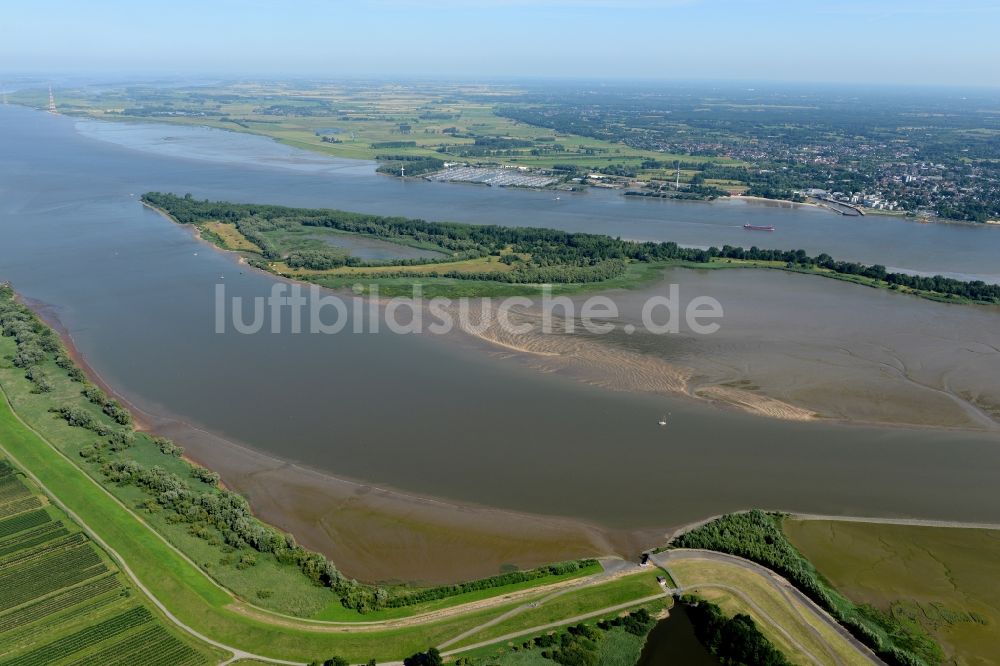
{"x":359,"y":641}
{"x":373,"y":533}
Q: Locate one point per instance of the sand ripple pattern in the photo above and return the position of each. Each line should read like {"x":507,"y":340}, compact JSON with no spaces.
{"x":755,"y":403}
{"x":589,"y":359}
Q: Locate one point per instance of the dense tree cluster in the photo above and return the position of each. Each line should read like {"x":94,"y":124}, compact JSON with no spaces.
{"x":637,"y":622}
{"x":109,"y":406}
{"x":430,"y":658}
{"x":408,"y":165}
{"x":510,"y":578}
{"x":253,"y":229}
{"x":389,"y":145}
{"x":320,"y":259}
{"x":974,"y":290}
{"x":35,"y":341}
{"x":735,"y":640}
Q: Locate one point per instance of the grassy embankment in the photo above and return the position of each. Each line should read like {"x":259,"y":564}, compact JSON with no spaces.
{"x":942,"y":580}
{"x":757,"y":536}
{"x":579,"y":602}
{"x":769,"y":610}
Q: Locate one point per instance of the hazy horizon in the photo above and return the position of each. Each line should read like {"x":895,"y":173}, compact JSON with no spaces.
{"x":916,"y":43}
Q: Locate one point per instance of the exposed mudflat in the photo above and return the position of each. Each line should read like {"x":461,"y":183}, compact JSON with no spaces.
{"x":789,"y":347}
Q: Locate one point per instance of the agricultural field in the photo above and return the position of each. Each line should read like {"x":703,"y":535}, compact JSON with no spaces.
{"x":62,"y":599}
{"x":941,"y":579}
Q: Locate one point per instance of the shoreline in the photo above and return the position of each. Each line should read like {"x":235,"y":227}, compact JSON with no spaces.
{"x":351,"y":520}
{"x":340,"y":506}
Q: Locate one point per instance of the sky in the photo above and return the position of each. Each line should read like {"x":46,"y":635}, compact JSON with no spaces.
{"x":892,"y":42}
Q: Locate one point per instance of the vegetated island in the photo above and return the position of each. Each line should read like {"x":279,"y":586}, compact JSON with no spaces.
{"x":313,"y":245}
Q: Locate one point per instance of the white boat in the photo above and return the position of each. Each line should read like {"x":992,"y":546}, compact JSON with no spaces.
{"x":663,"y":421}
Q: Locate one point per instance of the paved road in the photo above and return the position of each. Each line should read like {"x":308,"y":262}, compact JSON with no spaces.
{"x":780,"y":584}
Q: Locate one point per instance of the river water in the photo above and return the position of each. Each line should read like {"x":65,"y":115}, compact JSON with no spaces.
{"x":136,"y":293}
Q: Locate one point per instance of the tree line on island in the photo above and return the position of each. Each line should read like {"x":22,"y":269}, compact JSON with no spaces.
{"x":538,"y":255}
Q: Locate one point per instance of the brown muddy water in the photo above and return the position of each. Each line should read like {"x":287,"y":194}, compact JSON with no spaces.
{"x":434,"y":458}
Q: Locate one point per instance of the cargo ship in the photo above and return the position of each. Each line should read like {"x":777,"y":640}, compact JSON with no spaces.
{"x":756,"y":227}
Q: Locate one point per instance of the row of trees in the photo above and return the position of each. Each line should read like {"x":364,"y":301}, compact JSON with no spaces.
{"x":735,"y":640}
{"x":35,"y":341}
{"x":509,"y":578}
{"x":975,"y":290}
{"x":409,"y":166}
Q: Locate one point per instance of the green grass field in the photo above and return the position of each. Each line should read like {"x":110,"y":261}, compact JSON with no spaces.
{"x":943,"y":579}
{"x":586,"y":599}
